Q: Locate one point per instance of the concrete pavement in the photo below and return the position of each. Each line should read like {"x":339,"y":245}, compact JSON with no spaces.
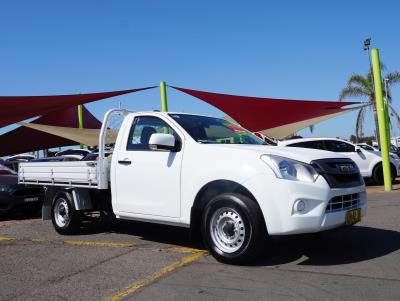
{"x":137,"y":261}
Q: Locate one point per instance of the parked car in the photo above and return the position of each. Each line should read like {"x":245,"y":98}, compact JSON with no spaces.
{"x":77,"y":152}
{"x":13,"y":161}
{"x":14,"y":195}
{"x":94,"y":156}
{"x":21,"y":158}
{"x":220,"y":181}
{"x":58,"y":159}
{"x":369,"y":163}
{"x":393,"y":150}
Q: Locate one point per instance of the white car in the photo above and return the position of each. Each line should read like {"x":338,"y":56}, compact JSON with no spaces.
{"x":77,"y":153}
{"x":376,"y":150}
{"x":369,"y":162}
{"x":205,"y":174}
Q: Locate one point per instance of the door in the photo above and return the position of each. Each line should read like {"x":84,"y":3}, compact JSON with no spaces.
{"x":148,"y":181}
{"x":361,"y":157}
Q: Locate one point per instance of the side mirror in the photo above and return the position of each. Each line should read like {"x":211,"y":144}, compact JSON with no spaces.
{"x":358,"y":149}
{"x":164,"y":142}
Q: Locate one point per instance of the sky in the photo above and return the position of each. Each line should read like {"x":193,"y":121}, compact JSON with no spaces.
{"x":279,"y":49}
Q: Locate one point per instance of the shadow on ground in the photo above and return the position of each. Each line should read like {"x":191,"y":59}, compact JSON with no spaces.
{"x":372,"y":184}
{"x":21,"y":214}
{"x":341,"y":246}
{"x":335,"y":247}
{"x":144,"y":231}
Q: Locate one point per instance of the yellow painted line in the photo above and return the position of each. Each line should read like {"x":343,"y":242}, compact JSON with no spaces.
{"x":4,"y":238}
{"x":97,"y":244}
{"x":71,"y":242}
{"x":185,"y":250}
{"x":156,"y":275}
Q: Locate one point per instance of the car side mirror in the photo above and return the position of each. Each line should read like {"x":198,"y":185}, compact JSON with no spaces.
{"x":162,"y":142}
{"x":358,"y":149}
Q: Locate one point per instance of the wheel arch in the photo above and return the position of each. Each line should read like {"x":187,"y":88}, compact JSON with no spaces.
{"x":207,"y":193}
{"x":80,"y":201}
{"x":392,"y":168}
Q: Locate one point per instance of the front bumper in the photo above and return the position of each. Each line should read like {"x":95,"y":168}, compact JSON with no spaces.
{"x":278,"y":198}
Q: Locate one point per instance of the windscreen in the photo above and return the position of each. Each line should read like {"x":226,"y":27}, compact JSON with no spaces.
{"x":214,"y":130}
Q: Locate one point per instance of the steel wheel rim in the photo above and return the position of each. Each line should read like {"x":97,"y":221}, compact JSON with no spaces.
{"x":227,"y":230}
{"x":61,"y":213}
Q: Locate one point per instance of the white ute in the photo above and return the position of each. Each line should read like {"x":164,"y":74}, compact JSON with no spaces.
{"x":207,"y":174}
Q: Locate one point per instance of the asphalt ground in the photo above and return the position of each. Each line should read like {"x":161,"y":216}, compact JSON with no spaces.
{"x":139,"y":261}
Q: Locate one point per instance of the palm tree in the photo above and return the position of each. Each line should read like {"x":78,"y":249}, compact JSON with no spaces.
{"x":363,"y":87}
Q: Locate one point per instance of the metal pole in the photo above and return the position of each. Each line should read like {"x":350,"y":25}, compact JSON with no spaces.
{"x":163,"y":91}
{"x":80,"y":119}
{"x":390,"y":128}
{"x":387,"y":121}
{"x":380,"y":110}
{"x":367,"y":43}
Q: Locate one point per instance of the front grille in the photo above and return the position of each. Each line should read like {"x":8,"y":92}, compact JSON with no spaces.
{"x":339,"y":173}
{"x":343,"y":202}
{"x":343,"y":181}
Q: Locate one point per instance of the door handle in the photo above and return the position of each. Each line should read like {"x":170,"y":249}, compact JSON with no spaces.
{"x":124,"y":162}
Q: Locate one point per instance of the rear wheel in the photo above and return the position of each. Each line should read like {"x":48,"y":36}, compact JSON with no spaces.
{"x":377,"y":173}
{"x":66,"y":220}
{"x":233,"y":228}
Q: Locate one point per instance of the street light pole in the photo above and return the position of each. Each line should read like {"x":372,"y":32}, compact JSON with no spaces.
{"x":387,"y":107}
{"x":367,"y":43}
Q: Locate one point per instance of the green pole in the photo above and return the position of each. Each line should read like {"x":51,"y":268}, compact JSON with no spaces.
{"x":164,"y":103}
{"x":382,"y":122}
{"x":80,"y":119}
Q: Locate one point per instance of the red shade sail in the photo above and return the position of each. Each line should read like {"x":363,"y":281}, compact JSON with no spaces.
{"x":258,"y":114}
{"x":24,"y":139}
{"x":18,"y":108}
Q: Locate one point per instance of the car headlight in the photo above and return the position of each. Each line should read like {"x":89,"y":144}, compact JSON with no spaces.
{"x":285,"y":168}
{"x":394,"y":156}
{"x":4,"y":188}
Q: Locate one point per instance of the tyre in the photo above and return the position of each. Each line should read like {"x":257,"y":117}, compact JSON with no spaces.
{"x":233,"y":229}
{"x":377,"y":174}
{"x":66,"y":220}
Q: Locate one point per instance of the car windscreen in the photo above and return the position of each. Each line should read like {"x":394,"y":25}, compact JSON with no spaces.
{"x":6,"y":171}
{"x":215,"y":130}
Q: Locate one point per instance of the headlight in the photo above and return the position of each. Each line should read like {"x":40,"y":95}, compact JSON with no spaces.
{"x":394,"y":156}
{"x":289,"y":169}
{"x":4,"y":188}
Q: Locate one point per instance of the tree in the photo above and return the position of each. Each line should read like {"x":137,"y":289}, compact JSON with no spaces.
{"x":363,"y":87}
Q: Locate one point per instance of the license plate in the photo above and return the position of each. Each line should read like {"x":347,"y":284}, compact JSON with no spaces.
{"x":33,"y":199}
{"x":353,"y":216}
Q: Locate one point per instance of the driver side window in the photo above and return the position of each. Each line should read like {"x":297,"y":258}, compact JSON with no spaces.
{"x":141,"y":130}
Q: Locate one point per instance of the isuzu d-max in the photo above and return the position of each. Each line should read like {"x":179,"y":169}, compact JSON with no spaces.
{"x":207,"y":174}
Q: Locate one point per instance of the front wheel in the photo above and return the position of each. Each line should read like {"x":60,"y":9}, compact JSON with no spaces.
{"x":233,"y":228}
{"x":66,"y":220}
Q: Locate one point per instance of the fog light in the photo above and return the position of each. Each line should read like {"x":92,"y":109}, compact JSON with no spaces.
{"x":300,"y":206}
